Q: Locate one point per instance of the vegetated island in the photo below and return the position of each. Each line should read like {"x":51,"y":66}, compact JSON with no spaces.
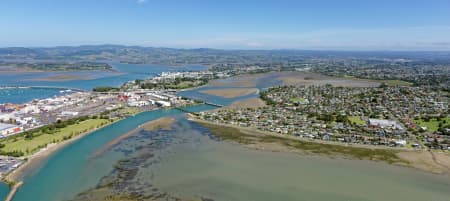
{"x":54,"y":66}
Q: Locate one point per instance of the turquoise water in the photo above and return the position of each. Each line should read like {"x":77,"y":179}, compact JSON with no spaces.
{"x":22,"y":95}
{"x":4,"y":190}
{"x":125,"y":72}
{"x":72,"y":170}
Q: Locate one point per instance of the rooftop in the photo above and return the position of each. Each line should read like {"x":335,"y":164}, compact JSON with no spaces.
{"x":6,"y":126}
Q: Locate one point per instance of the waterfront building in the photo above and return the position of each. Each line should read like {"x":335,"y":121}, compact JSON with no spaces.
{"x":8,"y":129}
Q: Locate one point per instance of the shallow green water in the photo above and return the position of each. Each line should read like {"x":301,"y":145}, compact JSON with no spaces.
{"x":4,"y":189}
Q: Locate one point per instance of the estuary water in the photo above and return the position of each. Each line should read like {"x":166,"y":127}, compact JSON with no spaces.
{"x":86,"y":80}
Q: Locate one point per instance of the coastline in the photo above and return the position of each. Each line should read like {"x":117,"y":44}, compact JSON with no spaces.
{"x":427,"y":161}
{"x":36,"y":158}
{"x":15,"y":178}
{"x":16,"y":175}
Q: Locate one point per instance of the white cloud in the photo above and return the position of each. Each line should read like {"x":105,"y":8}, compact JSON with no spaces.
{"x":141,"y":1}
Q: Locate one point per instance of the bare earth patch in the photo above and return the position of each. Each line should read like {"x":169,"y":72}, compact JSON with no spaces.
{"x":230,"y":92}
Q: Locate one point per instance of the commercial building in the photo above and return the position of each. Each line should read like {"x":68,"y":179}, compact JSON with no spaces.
{"x":9,"y":129}
{"x":163,"y":103}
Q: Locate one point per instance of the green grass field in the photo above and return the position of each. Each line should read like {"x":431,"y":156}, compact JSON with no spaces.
{"x":29,"y":146}
{"x":397,"y":83}
{"x":299,"y":99}
{"x":356,"y":120}
{"x":129,"y":110}
{"x":433,"y":124}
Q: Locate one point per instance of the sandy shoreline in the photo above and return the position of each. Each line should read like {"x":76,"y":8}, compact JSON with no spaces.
{"x":43,"y":154}
{"x":433,"y":162}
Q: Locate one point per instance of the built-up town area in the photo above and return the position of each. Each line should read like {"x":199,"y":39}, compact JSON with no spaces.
{"x":392,"y":116}
{"x":144,"y":94}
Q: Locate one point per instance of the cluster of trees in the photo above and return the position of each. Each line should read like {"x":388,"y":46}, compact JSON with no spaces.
{"x":106,"y":89}
{"x":265,"y":98}
{"x":12,"y":153}
{"x":178,"y":83}
{"x":60,"y":66}
{"x":51,"y":128}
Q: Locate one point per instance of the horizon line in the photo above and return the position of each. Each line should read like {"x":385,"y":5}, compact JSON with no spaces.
{"x":343,"y":49}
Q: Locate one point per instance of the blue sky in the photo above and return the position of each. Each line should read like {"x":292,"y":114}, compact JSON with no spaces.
{"x":229,"y":24}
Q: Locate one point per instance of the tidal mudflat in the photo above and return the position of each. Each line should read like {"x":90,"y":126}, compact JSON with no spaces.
{"x":187,"y":162}
{"x":231,"y":92}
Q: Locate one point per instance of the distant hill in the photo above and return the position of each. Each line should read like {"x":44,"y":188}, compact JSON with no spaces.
{"x":171,"y":56}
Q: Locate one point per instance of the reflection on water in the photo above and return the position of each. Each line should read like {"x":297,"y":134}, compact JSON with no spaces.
{"x":186,"y":162}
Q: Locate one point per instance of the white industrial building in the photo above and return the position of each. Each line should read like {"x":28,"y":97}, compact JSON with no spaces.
{"x":134,"y":103}
{"x":163,"y":103}
{"x":9,"y":129}
{"x":69,"y":113}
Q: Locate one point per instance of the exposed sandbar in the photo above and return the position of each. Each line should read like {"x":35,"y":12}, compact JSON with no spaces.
{"x":230,"y":92}
{"x":247,"y":103}
{"x":245,"y":80}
